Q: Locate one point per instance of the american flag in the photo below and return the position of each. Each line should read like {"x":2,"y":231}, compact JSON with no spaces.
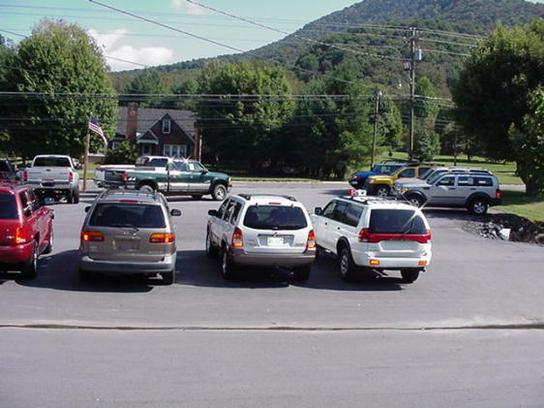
{"x":94,"y":127}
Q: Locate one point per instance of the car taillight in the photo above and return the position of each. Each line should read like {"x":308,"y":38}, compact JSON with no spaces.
{"x":17,"y":238}
{"x":162,"y":238}
{"x":92,"y":236}
{"x":124,"y":176}
{"x":237,"y":238}
{"x":70,"y":176}
{"x":366,"y":236}
{"x":498,"y":194}
{"x":25,"y":175}
{"x":311,"y":244}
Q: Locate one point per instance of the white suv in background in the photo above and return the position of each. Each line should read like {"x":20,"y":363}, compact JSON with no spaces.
{"x":264,"y":230}
{"x":374,"y":234}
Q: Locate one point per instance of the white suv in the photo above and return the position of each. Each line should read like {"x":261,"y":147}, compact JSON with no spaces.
{"x":265,"y":230}
{"x":374,"y":234}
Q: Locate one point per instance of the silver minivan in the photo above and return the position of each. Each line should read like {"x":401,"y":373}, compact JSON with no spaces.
{"x":129,"y":233}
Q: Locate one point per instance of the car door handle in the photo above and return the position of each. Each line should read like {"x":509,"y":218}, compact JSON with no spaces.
{"x":452,"y":188}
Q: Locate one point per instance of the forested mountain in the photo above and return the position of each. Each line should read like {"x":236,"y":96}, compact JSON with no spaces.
{"x":464,"y":16}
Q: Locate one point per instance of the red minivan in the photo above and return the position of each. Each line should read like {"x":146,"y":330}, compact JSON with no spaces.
{"x":26,"y":229}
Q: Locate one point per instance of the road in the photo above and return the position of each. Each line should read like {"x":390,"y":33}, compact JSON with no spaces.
{"x":468,"y":333}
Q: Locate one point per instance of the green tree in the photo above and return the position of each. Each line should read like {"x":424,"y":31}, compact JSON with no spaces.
{"x":6,"y":58}
{"x":59,"y":59}
{"x":244,"y":124}
{"x":390,"y":124}
{"x":426,"y":107}
{"x":125,"y":152}
{"x":493,"y":91}
{"x":147,"y":82}
{"x":426,"y":143}
{"x":529,"y":142}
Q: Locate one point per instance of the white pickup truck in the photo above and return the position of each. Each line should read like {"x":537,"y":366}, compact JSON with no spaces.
{"x":53,"y":176}
{"x":144,"y":161}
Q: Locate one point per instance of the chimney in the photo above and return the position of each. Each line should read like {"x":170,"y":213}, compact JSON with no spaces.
{"x":132,"y":121}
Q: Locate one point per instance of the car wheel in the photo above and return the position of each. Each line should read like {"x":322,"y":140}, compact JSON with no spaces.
{"x":146,"y":188}
{"x":70,"y":198}
{"x":211,"y":249}
{"x":30,"y":268}
{"x":228,"y":269}
{"x":49,"y":247}
{"x":416,"y":200}
{"x":219,"y":192}
{"x":409,"y":275}
{"x":197,"y":197}
{"x":478,"y":206}
{"x":85,"y":275}
{"x":75,"y":196}
{"x":168,"y":278}
{"x":382,"y":191}
{"x":302,"y":273}
{"x":346,"y":264}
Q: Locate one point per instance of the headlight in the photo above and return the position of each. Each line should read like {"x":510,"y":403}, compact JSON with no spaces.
{"x":371,"y":181}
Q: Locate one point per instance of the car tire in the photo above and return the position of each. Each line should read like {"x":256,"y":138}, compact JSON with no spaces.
{"x":85,"y":275}
{"x":347,"y":267}
{"x":219,"y":192}
{"x":49,"y":247}
{"x":30,"y":268}
{"x":416,"y":200}
{"x":302,"y":273}
{"x":211,"y":249}
{"x":75,"y":196}
{"x":168,"y":278}
{"x":70,"y":197}
{"x":228,"y":268}
{"x":197,"y":196}
{"x":382,"y":191}
{"x":409,"y":275}
{"x":146,"y":188}
{"x":478,"y":206}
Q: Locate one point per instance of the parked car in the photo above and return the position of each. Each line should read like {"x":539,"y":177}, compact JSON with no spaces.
{"x":181,"y":177}
{"x":53,"y":176}
{"x":381,"y":185}
{"x":8,"y":173}
{"x":143,"y":161}
{"x":26,"y":229}
{"x":358,"y":179}
{"x":261,"y":230}
{"x":368,"y":233}
{"x":129,"y":233}
{"x":476,"y":192}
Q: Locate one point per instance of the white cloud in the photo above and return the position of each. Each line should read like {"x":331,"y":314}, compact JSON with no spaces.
{"x":189,"y":8}
{"x":109,"y":43}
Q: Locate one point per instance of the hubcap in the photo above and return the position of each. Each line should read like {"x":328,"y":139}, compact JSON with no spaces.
{"x":220,"y":193}
{"x":382,"y":192}
{"x":479,"y":207}
{"x":344,"y":264}
{"x":414,"y":202}
{"x":224,"y":263}
{"x":35,"y":259}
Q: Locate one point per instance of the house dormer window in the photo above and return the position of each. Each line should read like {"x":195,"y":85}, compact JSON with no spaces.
{"x":166,"y":126}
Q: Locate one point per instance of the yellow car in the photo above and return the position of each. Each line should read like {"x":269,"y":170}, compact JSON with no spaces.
{"x":381,"y":185}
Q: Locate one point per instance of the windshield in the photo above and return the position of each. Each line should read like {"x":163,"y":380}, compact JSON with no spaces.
{"x":267,"y":217}
{"x":386,"y":169}
{"x":127,"y":216}
{"x":52,"y":162}
{"x":435,"y":176}
{"x":8,"y":207}
{"x":425,"y":174}
{"x":396,"y":222}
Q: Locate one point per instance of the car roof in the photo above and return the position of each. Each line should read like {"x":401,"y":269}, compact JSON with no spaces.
{"x":115,"y":196}
{"x":378,"y":203}
{"x":266,"y":199}
{"x":12,"y":188}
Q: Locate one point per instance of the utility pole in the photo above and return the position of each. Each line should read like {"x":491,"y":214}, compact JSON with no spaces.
{"x":413,"y":39}
{"x":86,"y":159}
{"x":374,"y":135}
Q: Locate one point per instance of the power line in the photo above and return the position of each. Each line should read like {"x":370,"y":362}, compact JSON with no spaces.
{"x":474,"y":45}
{"x":446,"y":52}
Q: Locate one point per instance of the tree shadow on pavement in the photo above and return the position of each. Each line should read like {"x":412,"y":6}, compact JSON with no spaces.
{"x":453,"y":214}
{"x":196,"y":269}
{"x":60,"y":272}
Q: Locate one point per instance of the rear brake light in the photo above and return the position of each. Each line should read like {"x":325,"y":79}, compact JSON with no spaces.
{"x":162,"y":238}
{"x":125,"y":177}
{"x":129,"y":201}
{"x":25,"y":175}
{"x":311,"y":244}
{"x":366,"y":236}
{"x":92,"y":236}
{"x":17,"y":238}
{"x":498,"y":194}
{"x":237,"y":238}
{"x":70,"y":176}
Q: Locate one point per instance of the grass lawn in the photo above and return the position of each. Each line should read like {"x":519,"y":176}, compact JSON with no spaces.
{"x":516,"y":202}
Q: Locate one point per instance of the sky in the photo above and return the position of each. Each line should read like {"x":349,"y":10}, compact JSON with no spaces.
{"x":127,"y":38}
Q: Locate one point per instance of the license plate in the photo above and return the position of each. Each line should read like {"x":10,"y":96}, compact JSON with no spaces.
{"x":127,"y":245}
{"x":275,"y":241}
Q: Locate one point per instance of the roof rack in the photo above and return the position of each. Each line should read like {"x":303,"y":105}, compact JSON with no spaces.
{"x":248,"y":197}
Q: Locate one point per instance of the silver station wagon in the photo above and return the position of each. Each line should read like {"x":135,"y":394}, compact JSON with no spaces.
{"x":129,"y":233}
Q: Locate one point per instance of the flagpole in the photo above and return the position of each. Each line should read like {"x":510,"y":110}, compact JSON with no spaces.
{"x":86,"y":158}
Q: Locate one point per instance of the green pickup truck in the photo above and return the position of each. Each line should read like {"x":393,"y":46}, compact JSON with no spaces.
{"x":177,"y":177}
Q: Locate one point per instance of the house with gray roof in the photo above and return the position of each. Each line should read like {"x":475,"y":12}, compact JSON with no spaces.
{"x":159,"y":132}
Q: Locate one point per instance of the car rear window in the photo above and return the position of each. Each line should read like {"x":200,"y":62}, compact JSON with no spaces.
{"x":52,"y":162}
{"x":391,"y":221}
{"x":8,"y":207}
{"x":267,"y":217}
{"x":127,"y":216}
{"x":4,"y":166}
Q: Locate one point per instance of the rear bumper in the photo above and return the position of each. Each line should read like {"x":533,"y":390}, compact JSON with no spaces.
{"x":392,"y":263}
{"x":15,"y":254}
{"x":87,"y":263}
{"x":277,"y":259}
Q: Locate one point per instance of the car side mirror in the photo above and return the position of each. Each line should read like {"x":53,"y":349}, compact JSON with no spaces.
{"x":28,"y":212}
{"x":87,"y":209}
{"x":318,"y":211}
{"x":175,"y":213}
{"x":213,"y":213}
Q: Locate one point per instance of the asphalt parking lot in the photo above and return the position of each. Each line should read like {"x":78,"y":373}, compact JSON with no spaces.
{"x":266,"y":341}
